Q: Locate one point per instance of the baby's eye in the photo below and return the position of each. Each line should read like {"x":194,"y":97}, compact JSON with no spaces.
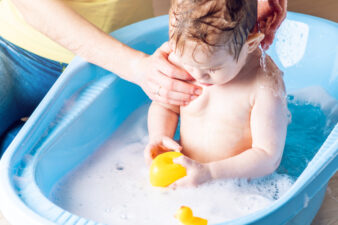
{"x":212,"y":70}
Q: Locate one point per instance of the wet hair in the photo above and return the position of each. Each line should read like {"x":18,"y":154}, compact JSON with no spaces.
{"x":212,"y":23}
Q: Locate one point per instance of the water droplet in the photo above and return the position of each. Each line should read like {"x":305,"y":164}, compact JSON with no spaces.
{"x":262,"y":60}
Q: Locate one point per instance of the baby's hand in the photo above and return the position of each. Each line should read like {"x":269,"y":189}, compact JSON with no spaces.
{"x":158,"y":146}
{"x":197,"y":173}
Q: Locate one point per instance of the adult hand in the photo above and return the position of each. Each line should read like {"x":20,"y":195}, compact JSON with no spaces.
{"x":164,"y":82}
{"x":270,"y":14}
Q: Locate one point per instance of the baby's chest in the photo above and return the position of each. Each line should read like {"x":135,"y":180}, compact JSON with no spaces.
{"x":221,"y":106}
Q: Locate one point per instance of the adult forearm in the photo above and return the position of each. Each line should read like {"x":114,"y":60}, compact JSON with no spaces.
{"x":63,"y":25}
{"x":251,"y":163}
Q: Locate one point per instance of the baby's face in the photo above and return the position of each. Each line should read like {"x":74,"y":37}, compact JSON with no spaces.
{"x":206,"y":68}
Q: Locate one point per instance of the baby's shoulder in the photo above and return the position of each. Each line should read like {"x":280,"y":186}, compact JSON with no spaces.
{"x":269,"y":80}
{"x":269,"y":75}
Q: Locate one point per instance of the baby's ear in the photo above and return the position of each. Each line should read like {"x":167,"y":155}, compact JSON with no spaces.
{"x":254,"y":41}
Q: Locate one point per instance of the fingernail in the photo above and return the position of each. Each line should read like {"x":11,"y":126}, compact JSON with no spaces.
{"x":198,"y":91}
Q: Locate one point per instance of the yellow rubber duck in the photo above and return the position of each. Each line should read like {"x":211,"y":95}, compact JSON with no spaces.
{"x":163,"y":171}
{"x":185,"y":216}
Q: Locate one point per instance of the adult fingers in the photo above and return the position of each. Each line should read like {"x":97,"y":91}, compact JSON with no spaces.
{"x":166,"y":67}
{"x":176,"y":85}
{"x":267,"y":41}
{"x":156,"y":93}
{"x":165,"y":48}
{"x":270,"y":21}
{"x":263,"y":9}
{"x":164,"y":100}
{"x":157,"y":89}
{"x":171,"y":70}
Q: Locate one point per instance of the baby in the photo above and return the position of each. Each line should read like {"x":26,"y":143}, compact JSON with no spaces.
{"x":237,"y":127}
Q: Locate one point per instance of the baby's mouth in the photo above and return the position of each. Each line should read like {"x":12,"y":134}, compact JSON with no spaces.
{"x":196,"y":82}
{"x":205,"y":84}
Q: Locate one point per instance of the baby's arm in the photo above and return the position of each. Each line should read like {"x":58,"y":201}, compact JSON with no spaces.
{"x":162,"y":120}
{"x":268,"y":129}
{"x":162,"y":124}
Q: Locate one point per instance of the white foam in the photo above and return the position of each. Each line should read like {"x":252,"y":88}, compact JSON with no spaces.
{"x":113,"y":187}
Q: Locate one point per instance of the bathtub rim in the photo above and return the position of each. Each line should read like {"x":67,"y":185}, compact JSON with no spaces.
{"x":12,"y":205}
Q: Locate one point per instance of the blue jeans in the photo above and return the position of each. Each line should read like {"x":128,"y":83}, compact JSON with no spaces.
{"x":25,"y":78}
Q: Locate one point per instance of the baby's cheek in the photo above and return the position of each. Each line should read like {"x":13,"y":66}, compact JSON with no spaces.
{"x":221,"y":76}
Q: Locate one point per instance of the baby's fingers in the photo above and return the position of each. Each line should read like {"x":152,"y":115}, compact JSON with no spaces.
{"x":184,"y":161}
{"x":183,"y":182}
{"x":148,"y":154}
{"x":152,"y":150}
{"x":171,"y":144}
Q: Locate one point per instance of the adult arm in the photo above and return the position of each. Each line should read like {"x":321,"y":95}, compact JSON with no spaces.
{"x":63,"y":25}
{"x":161,"y":7}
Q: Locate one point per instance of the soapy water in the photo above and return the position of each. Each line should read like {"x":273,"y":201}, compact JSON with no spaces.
{"x":112,"y":186}
{"x":314,"y":114}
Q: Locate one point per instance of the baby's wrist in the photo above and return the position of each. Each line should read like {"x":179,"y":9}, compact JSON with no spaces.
{"x":155,"y":138}
{"x":209,"y":168}
{"x":213,"y":171}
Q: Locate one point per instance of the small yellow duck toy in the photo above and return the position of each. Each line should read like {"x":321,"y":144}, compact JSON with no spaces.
{"x":185,"y":216}
{"x":163,"y":171}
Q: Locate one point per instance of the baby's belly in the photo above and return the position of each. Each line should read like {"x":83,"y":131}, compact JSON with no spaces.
{"x":214,"y":139}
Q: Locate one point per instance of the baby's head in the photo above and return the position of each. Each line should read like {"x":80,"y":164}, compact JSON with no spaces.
{"x":211,"y":38}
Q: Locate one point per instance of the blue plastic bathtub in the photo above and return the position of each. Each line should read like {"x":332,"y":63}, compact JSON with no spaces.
{"x":87,"y":104}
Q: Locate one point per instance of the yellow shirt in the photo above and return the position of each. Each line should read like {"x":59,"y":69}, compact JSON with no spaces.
{"x":108,"y":15}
